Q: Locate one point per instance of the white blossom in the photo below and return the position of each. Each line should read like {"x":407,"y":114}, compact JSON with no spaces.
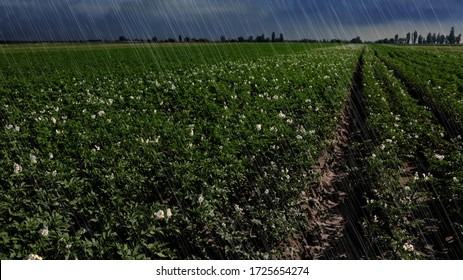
{"x":201,"y":199}
{"x":258,"y":127}
{"x":159,"y":215}
{"x":408,"y":247}
{"x":192,"y":130}
{"x":34,"y":257}
{"x":238,"y":208}
{"x":439,"y":157}
{"x":33,"y":159}
{"x":17,"y":168}
{"x":44,"y":232}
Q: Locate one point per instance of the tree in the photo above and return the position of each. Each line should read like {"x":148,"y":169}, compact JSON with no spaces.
{"x":415,"y":36}
{"x":281,"y":37}
{"x":420,"y":39}
{"x":356,"y":40}
{"x":451,"y":38}
{"x":442,"y":39}
{"x":458,"y":39}
{"x":155,"y":39}
{"x":434,"y":38}
{"x":396,"y":38}
{"x":260,"y":38}
{"x":180,"y":38}
{"x":223,"y":38}
{"x":122,"y":39}
{"x":408,"y":38}
{"x":250,"y":38}
{"x":273,"y":36}
{"x":429,"y":38}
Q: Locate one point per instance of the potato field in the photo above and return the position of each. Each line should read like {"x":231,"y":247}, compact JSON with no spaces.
{"x":231,"y":151}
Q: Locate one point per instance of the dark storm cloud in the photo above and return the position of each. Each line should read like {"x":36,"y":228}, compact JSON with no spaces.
{"x":383,"y":11}
{"x":107,"y":19}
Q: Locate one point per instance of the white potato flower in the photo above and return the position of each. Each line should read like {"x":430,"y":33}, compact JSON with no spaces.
{"x":44,"y":232}
{"x":33,"y":159}
{"x":160,"y":215}
{"x":17,"y":168}
{"x":34,"y":257}
{"x":201,"y":199}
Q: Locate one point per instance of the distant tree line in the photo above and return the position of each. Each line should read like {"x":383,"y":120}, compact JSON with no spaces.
{"x":431,"y":39}
{"x":260,"y":38}
{"x":185,"y":39}
{"x":410,"y":38}
{"x":181,"y":39}
{"x":274,"y":38}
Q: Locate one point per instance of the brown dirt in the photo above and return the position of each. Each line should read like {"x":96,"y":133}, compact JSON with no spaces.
{"x":326,"y":225}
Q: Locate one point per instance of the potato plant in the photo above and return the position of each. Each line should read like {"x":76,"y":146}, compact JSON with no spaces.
{"x":108,"y":158}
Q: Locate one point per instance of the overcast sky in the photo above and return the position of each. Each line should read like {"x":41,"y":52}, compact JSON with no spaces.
{"x":296,"y":19}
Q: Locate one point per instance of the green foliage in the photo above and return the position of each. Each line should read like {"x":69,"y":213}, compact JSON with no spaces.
{"x":157,"y":152}
{"x":413,"y":170}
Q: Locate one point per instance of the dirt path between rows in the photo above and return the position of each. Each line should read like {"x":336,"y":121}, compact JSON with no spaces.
{"x":335,"y":229}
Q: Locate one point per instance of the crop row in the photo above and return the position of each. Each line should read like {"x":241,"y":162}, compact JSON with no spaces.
{"x":39,"y":63}
{"x":206,"y":161}
{"x":414,"y":173}
{"x":436,"y":77}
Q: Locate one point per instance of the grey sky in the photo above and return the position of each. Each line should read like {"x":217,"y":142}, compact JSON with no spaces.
{"x":316,"y":19}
